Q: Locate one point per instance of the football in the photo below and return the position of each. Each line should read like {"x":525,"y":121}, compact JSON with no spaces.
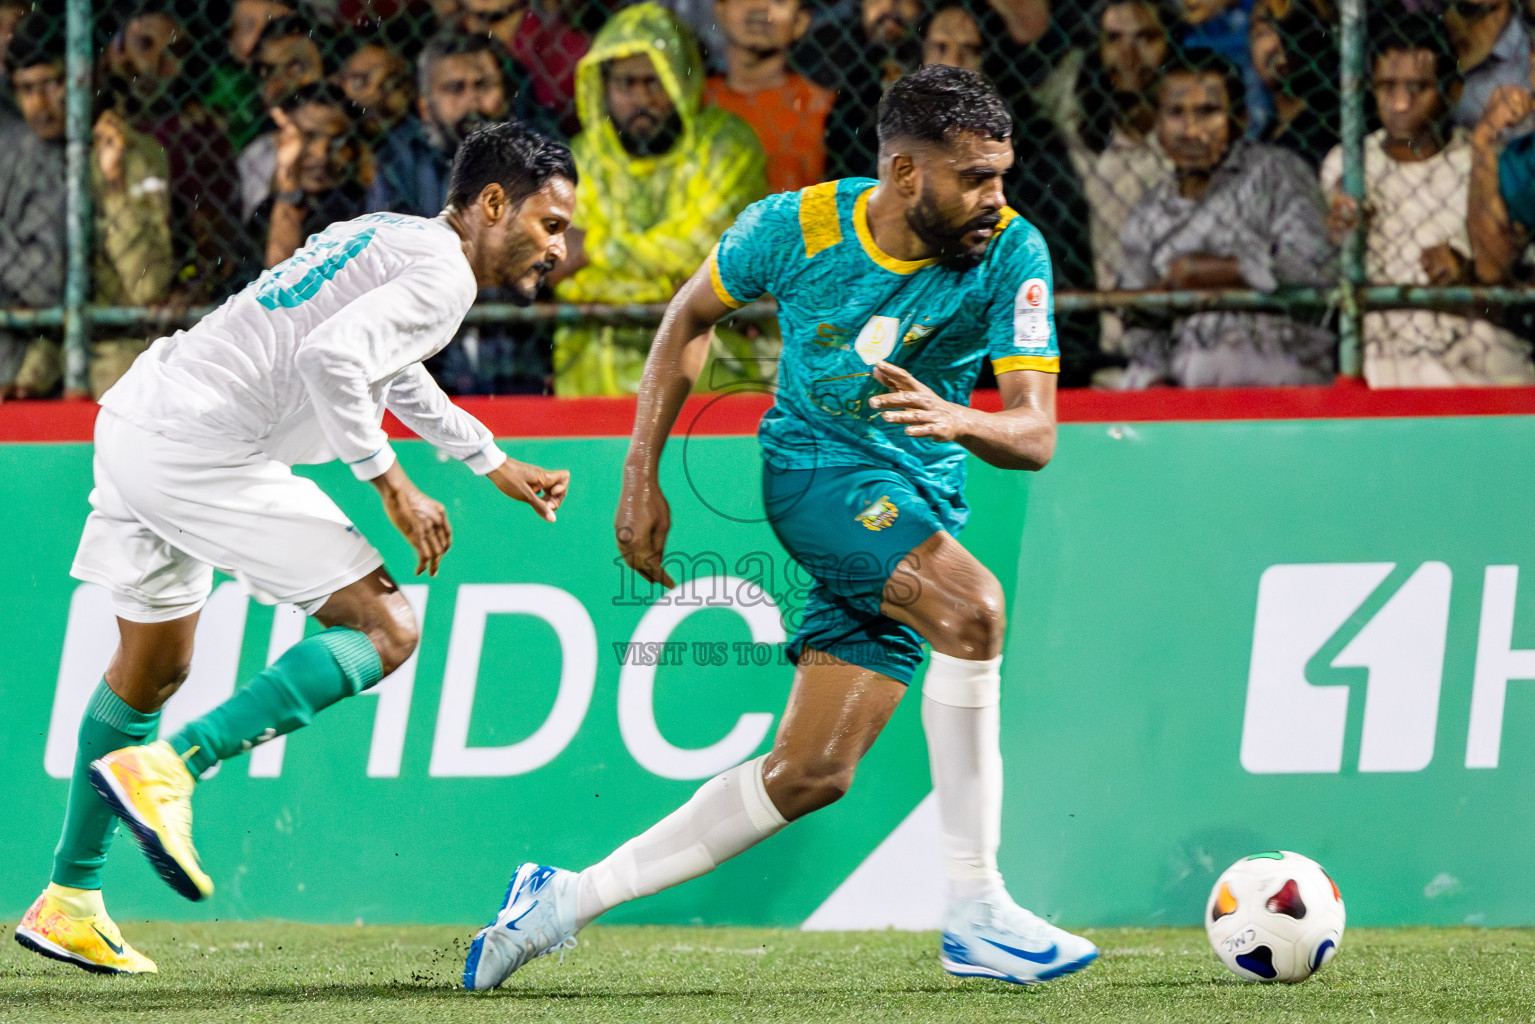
{"x":1275,"y":917}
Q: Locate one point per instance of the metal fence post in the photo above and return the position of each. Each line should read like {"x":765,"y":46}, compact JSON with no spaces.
{"x":77,"y":136}
{"x":1352,"y":266}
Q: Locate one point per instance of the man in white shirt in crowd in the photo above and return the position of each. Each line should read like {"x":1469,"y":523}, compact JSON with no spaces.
{"x":194,"y":449}
{"x":1417,"y":177}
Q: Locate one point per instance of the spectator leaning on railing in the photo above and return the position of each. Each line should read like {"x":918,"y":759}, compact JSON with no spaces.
{"x":132,"y":261}
{"x":1492,"y":44}
{"x":1237,"y":214}
{"x":1417,"y":171}
{"x":1115,"y":149}
{"x":31,"y":202}
{"x":1501,"y":212}
{"x":147,"y":76}
{"x":661,"y":179}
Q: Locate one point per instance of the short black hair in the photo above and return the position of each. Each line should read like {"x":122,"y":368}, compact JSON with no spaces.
{"x":509,"y":154}
{"x":324,"y":93}
{"x":455,"y":42}
{"x":1210,"y":62}
{"x":1417,"y":32}
{"x":327,"y":94}
{"x":38,"y":39}
{"x":938,"y":103}
{"x":299,"y":25}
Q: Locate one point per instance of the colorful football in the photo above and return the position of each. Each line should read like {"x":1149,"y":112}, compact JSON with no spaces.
{"x":1275,"y":917}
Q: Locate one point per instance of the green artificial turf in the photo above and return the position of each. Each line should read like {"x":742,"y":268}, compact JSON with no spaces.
{"x":271,"y":971}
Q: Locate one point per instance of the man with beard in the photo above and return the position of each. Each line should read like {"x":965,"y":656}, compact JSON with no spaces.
{"x":890,"y":293}
{"x":661,"y":178}
{"x":860,"y":65}
{"x":463,"y":82}
{"x":194,"y":449}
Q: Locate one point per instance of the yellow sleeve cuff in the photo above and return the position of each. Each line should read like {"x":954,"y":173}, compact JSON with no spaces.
{"x":719,"y":286}
{"x":1046,"y":364}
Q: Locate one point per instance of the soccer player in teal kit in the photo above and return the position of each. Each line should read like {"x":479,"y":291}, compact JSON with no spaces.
{"x":890,"y":295}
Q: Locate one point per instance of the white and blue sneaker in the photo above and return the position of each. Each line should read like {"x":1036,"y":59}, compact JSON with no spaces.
{"x":537,"y":917}
{"x":993,"y":937}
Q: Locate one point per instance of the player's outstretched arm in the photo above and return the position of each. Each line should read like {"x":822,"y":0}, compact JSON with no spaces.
{"x":544,"y":489}
{"x":422,"y":521}
{"x":1021,"y":436}
{"x":644,"y":518}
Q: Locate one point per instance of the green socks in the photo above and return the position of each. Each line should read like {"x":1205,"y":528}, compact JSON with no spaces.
{"x":314,"y":674}
{"x":109,"y":724}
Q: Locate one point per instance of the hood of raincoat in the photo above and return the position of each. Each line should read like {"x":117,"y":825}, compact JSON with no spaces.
{"x":652,"y":30}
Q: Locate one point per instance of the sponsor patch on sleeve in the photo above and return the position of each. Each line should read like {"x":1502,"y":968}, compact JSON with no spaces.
{"x":1031,"y":314}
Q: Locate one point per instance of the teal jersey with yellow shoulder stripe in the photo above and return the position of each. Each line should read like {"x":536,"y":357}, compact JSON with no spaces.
{"x":844,"y":305}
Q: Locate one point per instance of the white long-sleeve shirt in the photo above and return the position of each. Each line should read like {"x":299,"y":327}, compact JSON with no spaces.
{"x":303,"y":362}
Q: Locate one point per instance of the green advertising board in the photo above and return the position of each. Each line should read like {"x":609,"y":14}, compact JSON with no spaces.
{"x":1224,"y":637}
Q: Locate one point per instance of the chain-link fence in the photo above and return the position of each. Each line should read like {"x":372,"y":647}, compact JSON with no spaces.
{"x":1233,"y":191}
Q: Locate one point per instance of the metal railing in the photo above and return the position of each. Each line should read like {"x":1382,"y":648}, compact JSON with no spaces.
{"x":76,"y":317}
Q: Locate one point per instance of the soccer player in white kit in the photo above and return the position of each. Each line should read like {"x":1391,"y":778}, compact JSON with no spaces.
{"x":192,"y":471}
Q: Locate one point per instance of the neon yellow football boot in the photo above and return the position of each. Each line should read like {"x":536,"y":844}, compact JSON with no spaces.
{"x":55,"y":928}
{"x":150,"y":789}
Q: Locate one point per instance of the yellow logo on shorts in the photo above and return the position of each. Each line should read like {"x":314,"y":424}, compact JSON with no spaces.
{"x":879,"y":514}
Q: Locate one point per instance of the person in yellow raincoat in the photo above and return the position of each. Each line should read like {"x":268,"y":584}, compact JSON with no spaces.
{"x":661,"y":179}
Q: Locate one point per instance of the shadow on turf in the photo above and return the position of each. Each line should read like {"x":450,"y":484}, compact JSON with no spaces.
{"x":131,"y":995}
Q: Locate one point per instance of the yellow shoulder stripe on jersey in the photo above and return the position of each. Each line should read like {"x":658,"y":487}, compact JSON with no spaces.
{"x":719,"y":286}
{"x":1046,"y":364}
{"x":875,"y":253}
{"x":1008,"y":215}
{"x":818,"y":217}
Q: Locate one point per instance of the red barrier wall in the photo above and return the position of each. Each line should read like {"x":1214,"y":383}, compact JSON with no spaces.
{"x":534,"y":416}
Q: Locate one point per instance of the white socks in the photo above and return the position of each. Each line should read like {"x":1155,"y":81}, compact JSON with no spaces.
{"x":961,"y":715}
{"x":728,"y":815}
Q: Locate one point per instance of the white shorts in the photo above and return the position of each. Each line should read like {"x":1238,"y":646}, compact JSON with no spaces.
{"x":165,"y":514}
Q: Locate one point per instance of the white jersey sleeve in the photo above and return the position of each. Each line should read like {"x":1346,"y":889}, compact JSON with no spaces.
{"x":423,"y":407}
{"x":302,"y":363}
{"x":346,"y":360}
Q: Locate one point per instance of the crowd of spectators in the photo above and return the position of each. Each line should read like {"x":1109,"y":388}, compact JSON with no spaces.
{"x":1161,"y":144}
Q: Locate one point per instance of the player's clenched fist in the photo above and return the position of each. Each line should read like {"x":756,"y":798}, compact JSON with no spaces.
{"x":544,"y":489}
{"x":914,"y":403}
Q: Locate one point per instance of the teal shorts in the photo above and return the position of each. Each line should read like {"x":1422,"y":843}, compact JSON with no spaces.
{"x":849,"y":527}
